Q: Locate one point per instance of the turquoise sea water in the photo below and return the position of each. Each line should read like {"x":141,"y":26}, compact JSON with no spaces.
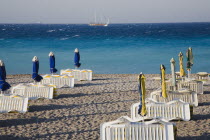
{"x":118,"y":48}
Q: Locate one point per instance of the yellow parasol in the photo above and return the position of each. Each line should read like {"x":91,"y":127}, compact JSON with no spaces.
{"x":142,"y":90}
{"x":163,"y":82}
{"x":182,"y":72}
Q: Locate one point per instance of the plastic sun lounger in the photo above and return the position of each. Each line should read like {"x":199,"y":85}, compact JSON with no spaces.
{"x":184,"y":95}
{"x":13,"y":104}
{"x":80,"y":75}
{"x":125,"y":128}
{"x":203,"y":77}
{"x":34,"y":91}
{"x":58,"y":80}
{"x":173,"y":110}
{"x":196,"y":86}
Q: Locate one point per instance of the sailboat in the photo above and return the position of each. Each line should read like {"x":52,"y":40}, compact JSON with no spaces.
{"x":96,"y":23}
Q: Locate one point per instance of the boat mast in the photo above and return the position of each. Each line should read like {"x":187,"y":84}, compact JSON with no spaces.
{"x":95,"y":16}
{"x":107,"y":21}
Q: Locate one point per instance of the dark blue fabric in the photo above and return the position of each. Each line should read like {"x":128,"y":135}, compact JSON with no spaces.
{"x":52,"y":64}
{"x":35,"y":74}
{"x":77,"y":59}
{"x":3,"y":84}
{"x":4,"y":72}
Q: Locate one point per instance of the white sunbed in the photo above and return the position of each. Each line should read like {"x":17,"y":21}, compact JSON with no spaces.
{"x":13,"y":103}
{"x":193,"y":85}
{"x":58,"y":80}
{"x":80,"y":75}
{"x":173,"y":110}
{"x":203,"y":77}
{"x":184,"y":95}
{"x":34,"y":91}
{"x":125,"y":128}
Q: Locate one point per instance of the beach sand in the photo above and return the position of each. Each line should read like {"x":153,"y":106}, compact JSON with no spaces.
{"x":78,"y":112}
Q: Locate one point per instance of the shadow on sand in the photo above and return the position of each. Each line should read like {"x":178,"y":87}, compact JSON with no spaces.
{"x":79,"y":95}
{"x":201,"y":117}
{"x":15,"y":122}
{"x":205,"y":136}
{"x":206,"y":92}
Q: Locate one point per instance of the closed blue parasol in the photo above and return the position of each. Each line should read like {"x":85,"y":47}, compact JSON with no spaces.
{"x":35,"y":74}
{"x":52,"y":63}
{"x":3,"y":84}
{"x":76,"y":58}
{"x":4,"y":69}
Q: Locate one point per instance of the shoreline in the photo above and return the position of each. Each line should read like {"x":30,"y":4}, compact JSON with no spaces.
{"x":78,"y":112}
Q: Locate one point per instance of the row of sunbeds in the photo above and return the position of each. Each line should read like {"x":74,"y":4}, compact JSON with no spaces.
{"x":16,"y":99}
{"x":156,"y":124}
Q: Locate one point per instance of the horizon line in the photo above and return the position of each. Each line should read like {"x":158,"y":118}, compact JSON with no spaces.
{"x":115,"y":23}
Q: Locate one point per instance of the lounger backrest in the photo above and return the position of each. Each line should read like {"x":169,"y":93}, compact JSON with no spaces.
{"x":169,"y":111}
{"x":186,"y":97}
{"x":137,"y":131}
{"x":59,"y":81}
{"x":33,"y":92}
{"x":13,"y":103}
{"x":196,"y":86}
{"x":78,"y":74}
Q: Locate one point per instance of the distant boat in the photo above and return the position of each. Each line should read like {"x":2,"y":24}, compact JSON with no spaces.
{"x":97,"y":23}
{"x":38,"y":22}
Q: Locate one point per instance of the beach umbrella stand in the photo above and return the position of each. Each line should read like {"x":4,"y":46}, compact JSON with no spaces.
{"x":77,"y":64}
{"x":182,"y":72}
{"x":3,"y":84}
{"x":189,"y":56}
{"x":35,"y":76}
{"x":172,"y":61}
{"x":52,"y":63}
{"x":142,"y":92}
{"x":163,"y":82}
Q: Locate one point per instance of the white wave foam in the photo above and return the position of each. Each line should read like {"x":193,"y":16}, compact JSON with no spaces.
{"x":3,"y":29}
{"x":64,"y":38}
{"x":49,"y":31}
{"x":75,"y":36}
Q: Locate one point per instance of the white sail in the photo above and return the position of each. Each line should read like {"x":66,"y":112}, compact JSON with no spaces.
{"x":97,"y":23}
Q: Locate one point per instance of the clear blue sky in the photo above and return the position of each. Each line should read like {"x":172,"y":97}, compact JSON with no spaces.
{"x":118,"y":11}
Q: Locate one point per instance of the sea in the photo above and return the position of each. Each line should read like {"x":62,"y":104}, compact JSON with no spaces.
{"x":115,"y":49}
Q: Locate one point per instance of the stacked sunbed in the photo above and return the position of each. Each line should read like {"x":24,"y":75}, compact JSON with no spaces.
{"x":79,"y":75}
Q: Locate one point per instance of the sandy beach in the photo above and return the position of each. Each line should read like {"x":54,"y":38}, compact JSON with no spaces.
{"x":77,"y":112}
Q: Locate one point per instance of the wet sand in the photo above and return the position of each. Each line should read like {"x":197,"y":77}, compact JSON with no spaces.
{"x":77,"y":112}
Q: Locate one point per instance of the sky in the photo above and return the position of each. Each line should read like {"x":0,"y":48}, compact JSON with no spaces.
{"x":118,"y":11}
